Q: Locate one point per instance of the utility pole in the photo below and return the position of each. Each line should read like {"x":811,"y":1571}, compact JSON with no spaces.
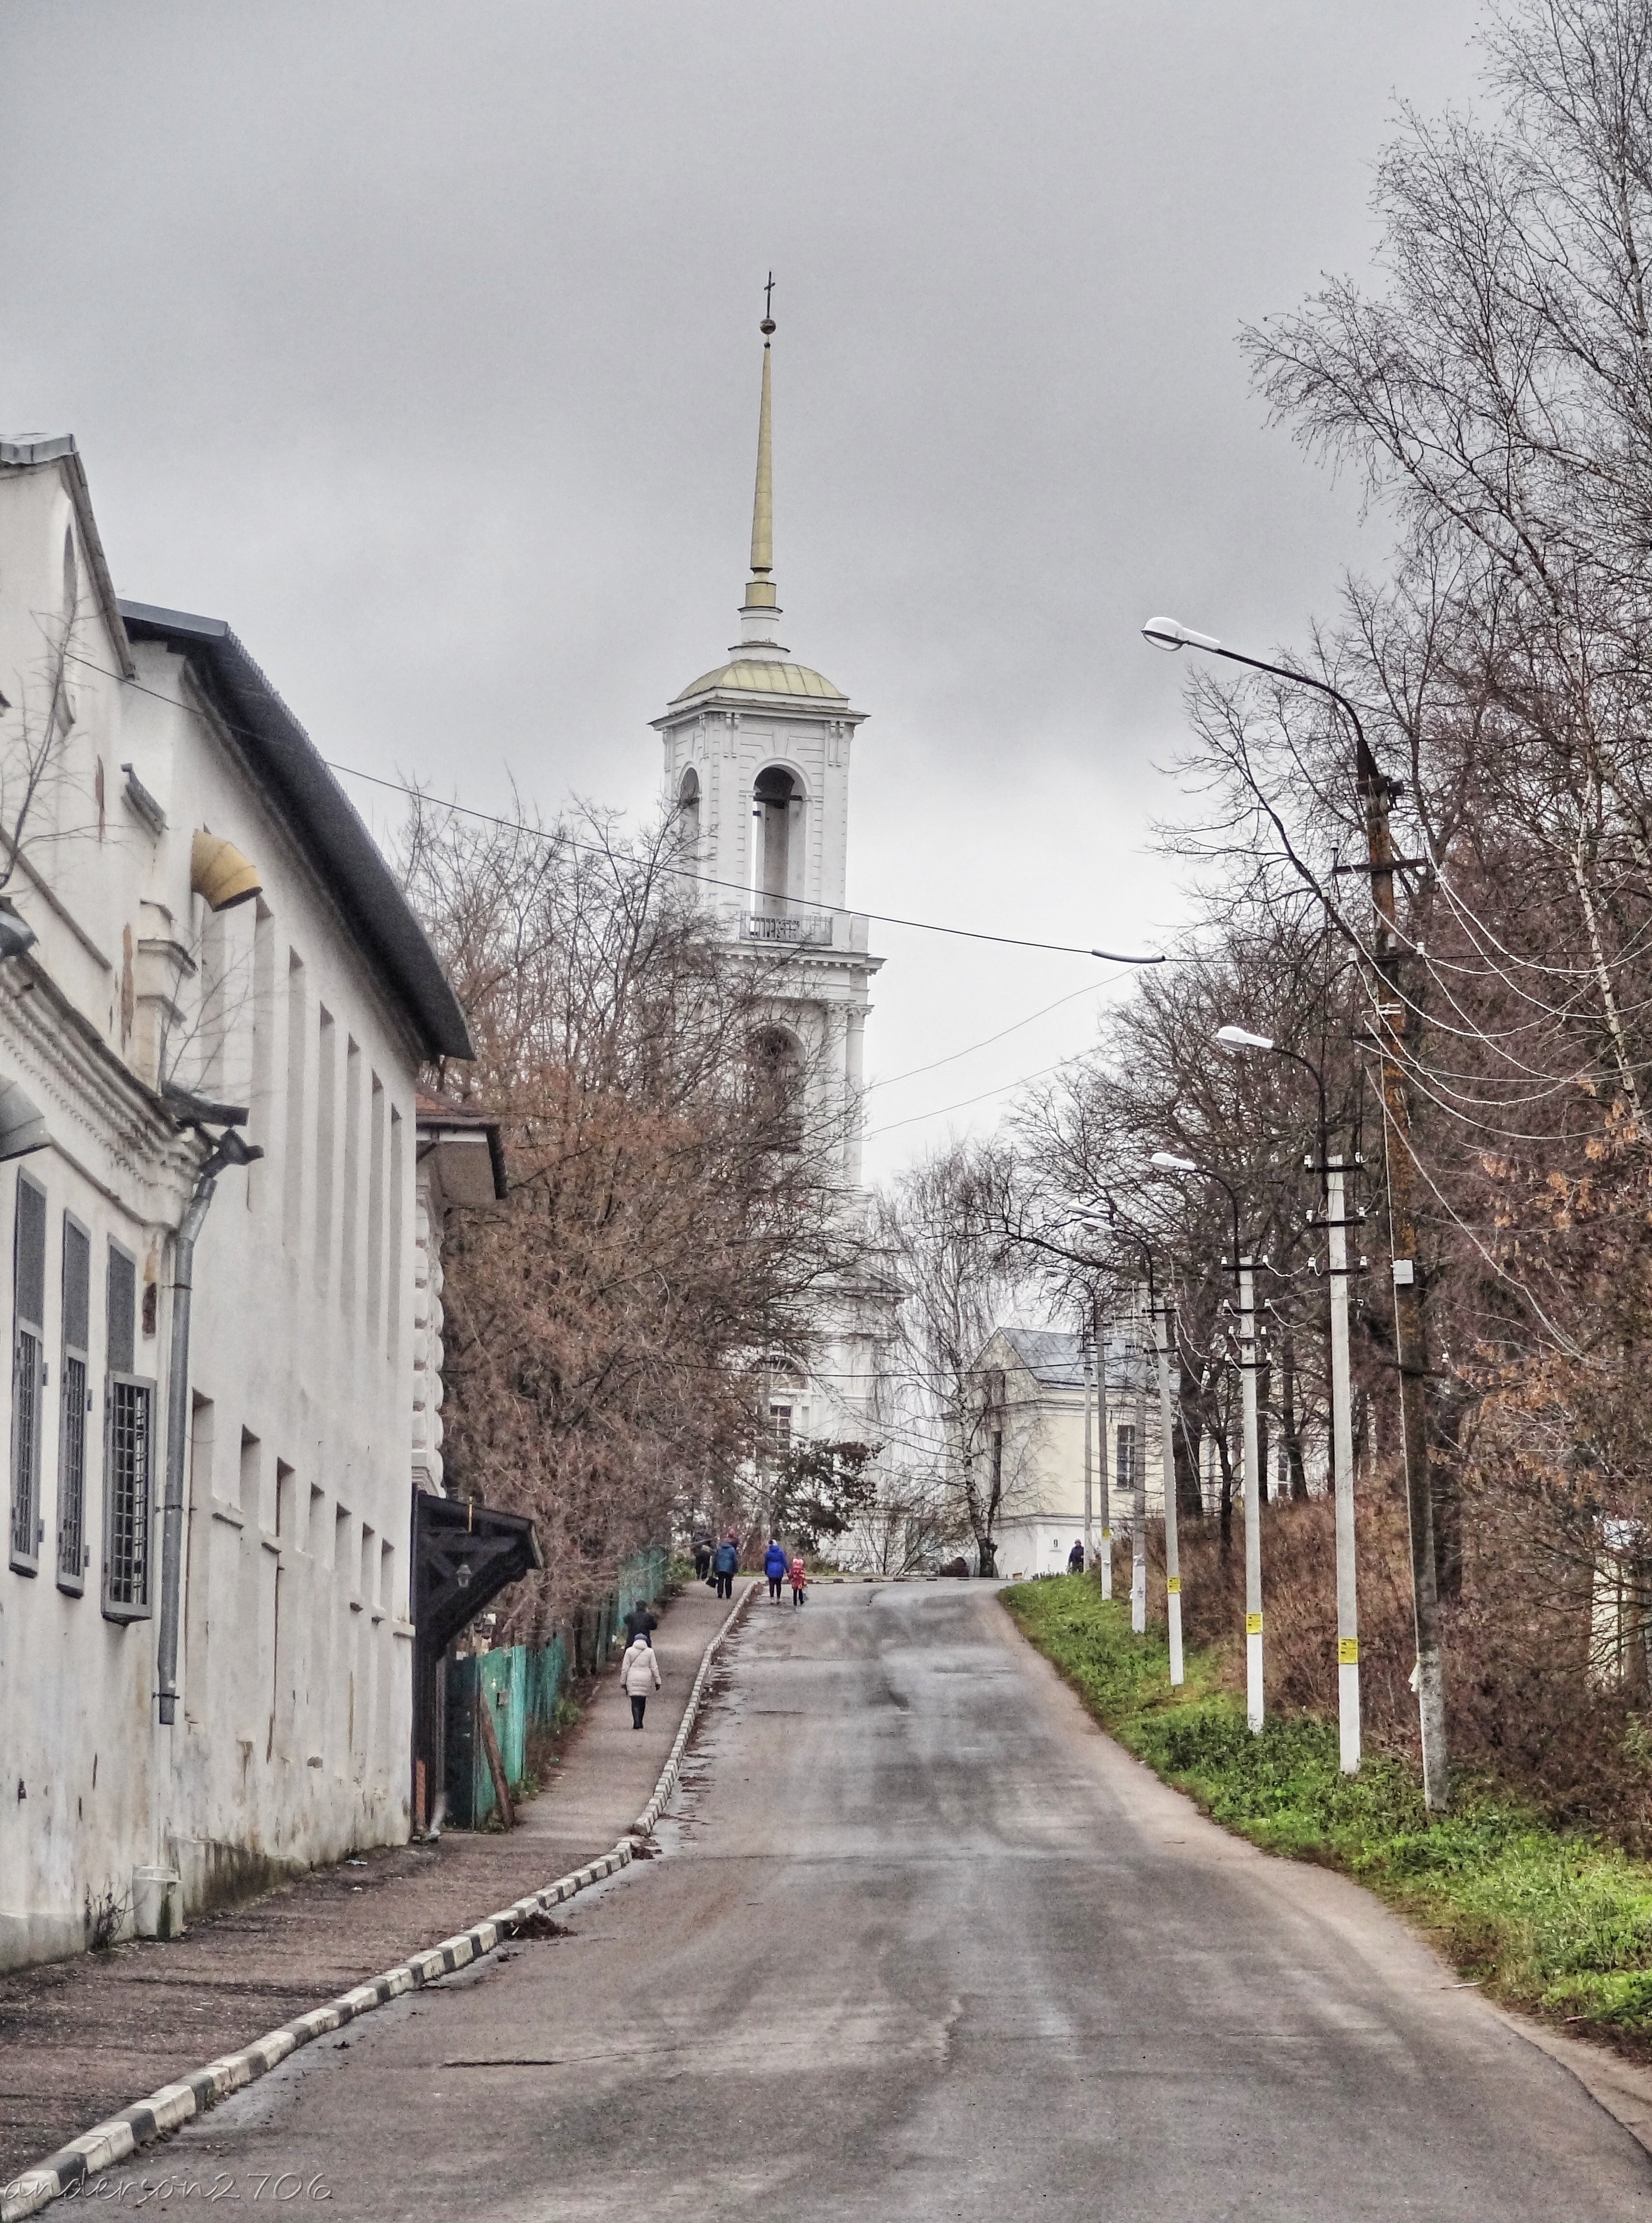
{"x":1248,"y":1364}
{"x":1100,"y":1340}
{"x":1139,"y":1475}
{"x":1410,"y":1334}
{"x":1089,"y":1498}
{"x":1347,"y":1602}
{"x":1167,"y":1469}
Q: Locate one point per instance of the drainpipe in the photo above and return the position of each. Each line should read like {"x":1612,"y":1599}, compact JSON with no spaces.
{"x":227,"y":1150}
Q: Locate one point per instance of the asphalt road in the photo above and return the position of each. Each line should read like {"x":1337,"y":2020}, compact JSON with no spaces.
{"x":923,"y":1944}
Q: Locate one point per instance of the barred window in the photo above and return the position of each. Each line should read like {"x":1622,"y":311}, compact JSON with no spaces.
{"x":76,"y":1400}
{"x":28,"y":1372}
{"x":128,"y":1427}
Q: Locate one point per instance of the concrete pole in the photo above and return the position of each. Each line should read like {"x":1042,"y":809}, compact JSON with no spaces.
{"x":1347,"y":1605}
{"x":1138,"y":1503}
{"x":1167,"y":1467}
{"x":1089,"y":1494}
{"x":1101,"y":1446}
{"x":1253,"y":1708}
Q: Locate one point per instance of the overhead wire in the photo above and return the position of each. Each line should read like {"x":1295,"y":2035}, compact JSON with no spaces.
{"x":676,"y":872}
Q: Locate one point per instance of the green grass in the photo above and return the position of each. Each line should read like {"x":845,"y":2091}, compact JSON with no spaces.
{"x":1556,"y":1923}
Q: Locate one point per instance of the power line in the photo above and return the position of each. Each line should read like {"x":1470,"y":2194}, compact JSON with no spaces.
{"x":596,"y":849}
{"x":952,"y":1057}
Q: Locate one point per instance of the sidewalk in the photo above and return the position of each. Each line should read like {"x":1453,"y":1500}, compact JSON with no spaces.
{"x":80,"y":2039}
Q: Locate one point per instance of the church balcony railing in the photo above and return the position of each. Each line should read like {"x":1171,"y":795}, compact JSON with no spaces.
{"x":813,"y":927}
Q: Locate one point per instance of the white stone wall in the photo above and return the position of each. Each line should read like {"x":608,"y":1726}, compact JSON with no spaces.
{"x":292,"y":1737}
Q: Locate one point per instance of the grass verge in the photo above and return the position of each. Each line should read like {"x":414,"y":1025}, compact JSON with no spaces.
{"x":1557,"y":1923}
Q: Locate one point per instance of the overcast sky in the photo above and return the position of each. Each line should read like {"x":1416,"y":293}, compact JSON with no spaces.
{"x":419,"y":341}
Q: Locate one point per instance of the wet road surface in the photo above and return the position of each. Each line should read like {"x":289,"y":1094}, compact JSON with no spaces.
{"x":923,"y":1944}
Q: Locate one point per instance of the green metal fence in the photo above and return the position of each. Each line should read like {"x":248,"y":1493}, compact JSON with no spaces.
{"x":521,"y":1687}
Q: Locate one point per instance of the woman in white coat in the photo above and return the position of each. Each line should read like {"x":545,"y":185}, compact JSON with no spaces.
{"x":638,"y":1675}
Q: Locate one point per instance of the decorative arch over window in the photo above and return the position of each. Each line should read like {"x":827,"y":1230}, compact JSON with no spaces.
{"x":778,"y":806}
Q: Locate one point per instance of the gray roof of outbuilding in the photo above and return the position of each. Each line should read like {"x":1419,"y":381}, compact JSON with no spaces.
{"x":321,"y":816}
{"x":1056,"y":1360}
{"x":1050,"y":1356}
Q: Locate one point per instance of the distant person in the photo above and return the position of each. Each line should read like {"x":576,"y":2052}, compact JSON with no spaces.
{"x":704,"y":1548}
{"x":724,"y":1562}
{"x":638,"y":1675}
{"x":640,"y":1621}
{"x":774,"y":1566}
{"x":799,"y":1582}
{"x":1076,"y":1558}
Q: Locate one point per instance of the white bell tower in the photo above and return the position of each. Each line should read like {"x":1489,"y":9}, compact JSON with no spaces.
{"x":757,"y":762}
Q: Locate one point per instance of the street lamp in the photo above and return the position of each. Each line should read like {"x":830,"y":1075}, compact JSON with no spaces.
{"x":1410,"y":1335}
{"x":1336,"y":1224}
{"x":1245,"y":1273}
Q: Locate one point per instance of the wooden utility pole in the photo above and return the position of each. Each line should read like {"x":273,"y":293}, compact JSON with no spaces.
{"x":1410,"y":1329}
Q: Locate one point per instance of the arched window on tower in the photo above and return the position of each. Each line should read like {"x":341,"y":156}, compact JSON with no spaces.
{"x":688,"y":808}
{"x":777,"y":807}
{"x":777,"y":1085}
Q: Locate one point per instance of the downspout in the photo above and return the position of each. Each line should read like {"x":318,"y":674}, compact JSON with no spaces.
{"x":227,"y":1150}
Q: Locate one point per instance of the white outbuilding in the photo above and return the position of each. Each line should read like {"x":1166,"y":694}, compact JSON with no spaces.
{"x":205,"y":1637}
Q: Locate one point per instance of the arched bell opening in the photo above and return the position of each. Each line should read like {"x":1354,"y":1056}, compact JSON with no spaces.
{"x":776,"y":1080}
{"x":688,"y":808}
{"x":777,"y":809}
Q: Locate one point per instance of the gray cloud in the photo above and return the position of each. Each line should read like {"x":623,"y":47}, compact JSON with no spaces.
{"x":419,"y":341}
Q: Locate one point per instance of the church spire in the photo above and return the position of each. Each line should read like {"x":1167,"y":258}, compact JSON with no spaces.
{"x":760,"y":609}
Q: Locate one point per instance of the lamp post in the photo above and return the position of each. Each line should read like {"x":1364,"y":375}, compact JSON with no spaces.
{"x":1244,"y":1275}
{"x":1410,"y":1334}
{"x":1336,"y":1224}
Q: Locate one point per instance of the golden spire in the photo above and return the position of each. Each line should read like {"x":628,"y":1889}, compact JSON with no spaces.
{"x":759,"y":594}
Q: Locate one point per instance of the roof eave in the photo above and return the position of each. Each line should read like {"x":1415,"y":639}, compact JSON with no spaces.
{"x":351,"y":865}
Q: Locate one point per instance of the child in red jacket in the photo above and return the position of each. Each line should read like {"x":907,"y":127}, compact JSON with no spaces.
{"x":799,"y":1581}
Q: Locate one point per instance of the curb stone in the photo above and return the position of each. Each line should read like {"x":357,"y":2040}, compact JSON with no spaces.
{"x":109,"y":2143}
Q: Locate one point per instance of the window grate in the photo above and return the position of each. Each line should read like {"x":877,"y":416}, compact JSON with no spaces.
{"x":25,"y":1448}
{"x":126,"y":1556}
{"x":71,"y":1428}
{"x":72,"y":1477}
{"x":29,"y":1306}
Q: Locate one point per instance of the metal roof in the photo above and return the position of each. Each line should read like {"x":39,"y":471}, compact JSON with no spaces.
{"x":750,"y":675}
{"x":320,"y":815}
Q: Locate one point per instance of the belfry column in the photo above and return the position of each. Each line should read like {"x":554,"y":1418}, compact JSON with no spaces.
{"x":853,"y":1066}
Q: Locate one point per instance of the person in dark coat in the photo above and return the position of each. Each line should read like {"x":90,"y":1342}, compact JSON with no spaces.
{"x":640,"y":1621}
{"x":704,"y":1548}
{"x":724,"y":1562}
{"x":775,"y":1563}
{"x":1076,"y":1558}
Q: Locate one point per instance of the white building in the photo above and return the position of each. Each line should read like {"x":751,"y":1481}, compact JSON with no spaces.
{"x":1034,"y":1391}
{"x":143,"y":1024}
{"x":757,"y":760}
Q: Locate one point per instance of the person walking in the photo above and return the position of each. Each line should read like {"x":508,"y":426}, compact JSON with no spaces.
{"x":774,"y":1566}
{"x":724,"y":1561}
{"x":704,"y":1548}
{"x":642,"y":1621}
{"x":1076,"y":1558}
{"x":638,"y":1675}
{"x":799,"y":1581}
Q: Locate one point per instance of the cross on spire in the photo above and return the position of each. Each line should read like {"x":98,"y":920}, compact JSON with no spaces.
{"x":767,"y":324}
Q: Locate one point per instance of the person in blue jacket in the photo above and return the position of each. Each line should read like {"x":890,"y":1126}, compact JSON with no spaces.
{"x":775,"y":1563}
{"x":724,"y":1562}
